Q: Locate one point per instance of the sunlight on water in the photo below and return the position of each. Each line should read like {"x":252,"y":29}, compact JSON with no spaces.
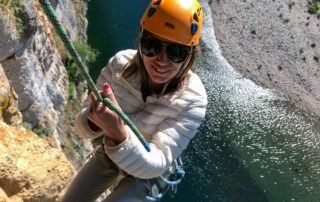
{"x":254,"y":145}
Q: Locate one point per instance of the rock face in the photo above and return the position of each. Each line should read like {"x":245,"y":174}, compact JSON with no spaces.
{"x":9,"y":112}
{"x":31,"y":170}
{"x":34,"y":89}
{"x":36,"y":71}
{"x":274,"y":43}
{"x":31,"y":59}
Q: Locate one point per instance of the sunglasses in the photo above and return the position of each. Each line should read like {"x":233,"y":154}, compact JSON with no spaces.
{"x":177,"y":53}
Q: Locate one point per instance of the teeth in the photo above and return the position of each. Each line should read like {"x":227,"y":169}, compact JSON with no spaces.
{"x":161,"y":70}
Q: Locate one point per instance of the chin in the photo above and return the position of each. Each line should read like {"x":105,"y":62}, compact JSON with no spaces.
{"x":159,"y":81}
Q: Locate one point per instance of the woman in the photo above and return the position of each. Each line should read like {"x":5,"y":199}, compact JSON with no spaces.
{"x":158,"y":89}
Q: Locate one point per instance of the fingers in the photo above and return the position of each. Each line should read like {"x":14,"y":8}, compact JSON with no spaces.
{"x":95,"y":103}
{"x":108,"y":93}
{"x":98,"y":106}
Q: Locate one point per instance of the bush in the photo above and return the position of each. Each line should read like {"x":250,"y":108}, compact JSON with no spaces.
{"x":27,"y":126}
{"x":86,"y":53}
{"x":313,"y":9}
{"x":42,"y":130}
{"x":301,"y":50}
{"x":291,"y":4}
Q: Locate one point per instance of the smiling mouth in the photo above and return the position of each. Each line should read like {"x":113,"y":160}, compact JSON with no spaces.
{"x":160,"y":70}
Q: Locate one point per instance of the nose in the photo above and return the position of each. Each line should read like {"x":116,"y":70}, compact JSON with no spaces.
{"x":162,"y":57}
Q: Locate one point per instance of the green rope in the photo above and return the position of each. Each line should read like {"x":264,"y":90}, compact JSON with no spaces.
{"x":67,"y":41}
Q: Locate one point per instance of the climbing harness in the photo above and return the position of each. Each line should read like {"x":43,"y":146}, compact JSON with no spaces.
{"x":47,"y":7}
{"x":158,"y":187}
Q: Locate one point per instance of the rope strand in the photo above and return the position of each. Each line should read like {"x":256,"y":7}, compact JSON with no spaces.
{"x":46,"y":5}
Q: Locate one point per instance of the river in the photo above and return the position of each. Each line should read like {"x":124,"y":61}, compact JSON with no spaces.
{"x":253,"y":145}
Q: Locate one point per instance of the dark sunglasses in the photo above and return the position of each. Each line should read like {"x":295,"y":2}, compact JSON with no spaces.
{"x":176,"y":52}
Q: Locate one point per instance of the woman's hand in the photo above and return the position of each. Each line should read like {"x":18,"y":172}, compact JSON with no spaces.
{"x":105,"y":118}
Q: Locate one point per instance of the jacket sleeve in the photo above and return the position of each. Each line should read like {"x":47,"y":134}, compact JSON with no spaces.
{"x":81,"y":121}
{"x":81,"y":125}
{"x":171,"y":138}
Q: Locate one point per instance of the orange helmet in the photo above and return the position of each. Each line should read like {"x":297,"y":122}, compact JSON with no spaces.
{"x":176,"y":20}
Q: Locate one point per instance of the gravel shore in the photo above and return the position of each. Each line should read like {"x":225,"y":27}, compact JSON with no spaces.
{"x":276,"y":44}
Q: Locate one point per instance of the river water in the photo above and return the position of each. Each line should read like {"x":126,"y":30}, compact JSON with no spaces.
{"x":253,"y":145}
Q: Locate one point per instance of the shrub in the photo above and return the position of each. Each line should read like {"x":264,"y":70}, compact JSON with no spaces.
{"x":313,"y":9}
{"x":27,"y":126}
{"x":42,"y":130}
{"x":301,"y":50}
{"x":291,"y":4}
{"x":86,"y":52}
{"x":15,"y":7}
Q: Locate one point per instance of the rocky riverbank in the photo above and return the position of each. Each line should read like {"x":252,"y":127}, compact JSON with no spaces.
{"x":39,"y":97}
{"x":274,"y":43}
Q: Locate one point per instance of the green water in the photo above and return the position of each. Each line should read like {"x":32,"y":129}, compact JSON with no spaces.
{"x":253,"y":145}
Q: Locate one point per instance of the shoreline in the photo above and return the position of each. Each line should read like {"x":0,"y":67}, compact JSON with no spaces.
{"x":274,"y":45}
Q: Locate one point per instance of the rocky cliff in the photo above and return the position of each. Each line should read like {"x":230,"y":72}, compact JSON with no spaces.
{"x":35,"y":93}
{"x":274,"y":43}
{"x":30,"y":169}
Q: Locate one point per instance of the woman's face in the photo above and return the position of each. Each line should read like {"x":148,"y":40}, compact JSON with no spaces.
{"x":160,"y":68}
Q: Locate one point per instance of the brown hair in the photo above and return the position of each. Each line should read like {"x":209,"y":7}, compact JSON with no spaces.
{"x":136,"y":65}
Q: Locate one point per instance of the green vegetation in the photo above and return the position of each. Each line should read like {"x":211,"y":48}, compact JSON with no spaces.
{"x":314,"y":8}
{"x":259,"y":66}
{"x":82,"y":18}
{"x":304,"y":58}
{"x":253,"y":31}
{"x":14,"y":5}
{"x":307,"y":23}
{"x":286,"y":20}
{"x":280,"y":67}
{"x":27,"y":126}
{"x":15,"y":8}
{"x":316,"y":58}
{"x":291,"y":4}
{"x":42,"y":131}
{"x":301,"y":50}
{"x":87,"y":54}
{"x":313,"y":45}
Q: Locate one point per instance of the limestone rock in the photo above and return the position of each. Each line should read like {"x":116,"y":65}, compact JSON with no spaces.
{"x":9,"y":111}
{"x":31,"y":170}
{"x":31,"y":60}
{"x":3,"y":196}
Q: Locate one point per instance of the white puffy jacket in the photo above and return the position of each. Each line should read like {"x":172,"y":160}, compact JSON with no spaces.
{"x":168,"y":123}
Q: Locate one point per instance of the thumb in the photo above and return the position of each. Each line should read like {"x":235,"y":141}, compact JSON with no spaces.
{"x":108,"y":93}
